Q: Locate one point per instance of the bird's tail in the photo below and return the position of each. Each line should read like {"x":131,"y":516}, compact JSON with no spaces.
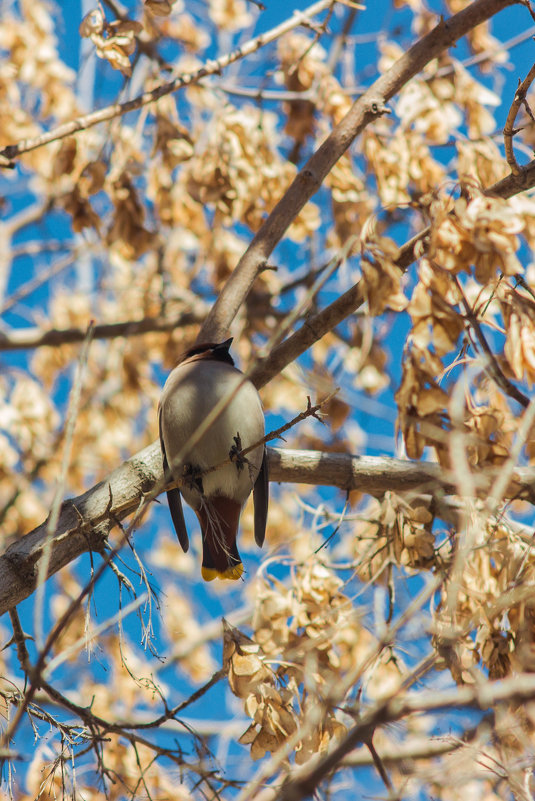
{"x":219,"y":518}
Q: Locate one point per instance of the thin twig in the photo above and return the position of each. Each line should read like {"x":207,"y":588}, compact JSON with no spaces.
{"x":493,"y":367}
{"x":381,"y":770}
{"x":213,"y":67}
{"x":101,"y":727}
{"x":509,"y":130}
{"x":20,"y":640}
{"x":73,"y":649}
{"x":72,"y":415}
{"x":41,"y":278}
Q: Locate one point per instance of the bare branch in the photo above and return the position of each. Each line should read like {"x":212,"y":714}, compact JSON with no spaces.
{"x":84,"y":521}
{"x":407,"y":752}
{"x":327,"y":319}
{"x":509,"y":130}
{"x":30,"y":338}
{"x":507,"y":187}
{"x":518,"y":689}
{"x":11,"y":152}
{"x":368,"y":107}
{"x":493,"y":367}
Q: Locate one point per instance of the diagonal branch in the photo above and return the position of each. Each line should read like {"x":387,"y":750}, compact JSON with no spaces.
{"x":370,"y":106}
{"x":317,"y":326}
{"x":507,"y":187}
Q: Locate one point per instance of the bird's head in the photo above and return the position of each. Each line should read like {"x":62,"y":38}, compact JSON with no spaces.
{"x":214,"y":351}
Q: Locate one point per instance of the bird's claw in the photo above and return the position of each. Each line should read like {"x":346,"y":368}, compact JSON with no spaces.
{"x":235,"y":454}
{"x":193,"y":477}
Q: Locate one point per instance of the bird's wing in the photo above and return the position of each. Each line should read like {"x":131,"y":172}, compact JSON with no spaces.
{"x":261,"y":501}
{"x":174,"y":498}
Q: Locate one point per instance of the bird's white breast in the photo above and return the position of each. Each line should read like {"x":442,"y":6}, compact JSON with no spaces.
{"x":189,"y":396}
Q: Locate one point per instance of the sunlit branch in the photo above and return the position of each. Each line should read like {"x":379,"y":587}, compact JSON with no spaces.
{"x":84,"y":521}
{"x":31,"y":338}
{"x":11,"y":152}
{"x":368,"y":108}
{"x":519,"y":689}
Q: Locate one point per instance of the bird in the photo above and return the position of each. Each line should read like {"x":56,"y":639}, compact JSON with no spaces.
{"x":204,"y":377}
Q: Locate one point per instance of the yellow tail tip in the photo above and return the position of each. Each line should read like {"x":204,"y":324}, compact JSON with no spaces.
{"x":230,"y":574}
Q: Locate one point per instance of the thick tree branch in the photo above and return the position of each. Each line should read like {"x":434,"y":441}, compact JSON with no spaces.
{"x":83,"y":525}
{"x":85,"y":521}
{"x":370,"y":106}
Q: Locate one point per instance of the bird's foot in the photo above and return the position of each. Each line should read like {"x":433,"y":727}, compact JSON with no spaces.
{"x":235,"y":453}
{"x":192,"y":476}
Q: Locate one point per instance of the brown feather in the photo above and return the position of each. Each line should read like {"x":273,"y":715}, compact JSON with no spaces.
{"x":219,"y":518}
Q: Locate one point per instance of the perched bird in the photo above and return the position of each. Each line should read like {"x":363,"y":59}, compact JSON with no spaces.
{"x":205,"y":376}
